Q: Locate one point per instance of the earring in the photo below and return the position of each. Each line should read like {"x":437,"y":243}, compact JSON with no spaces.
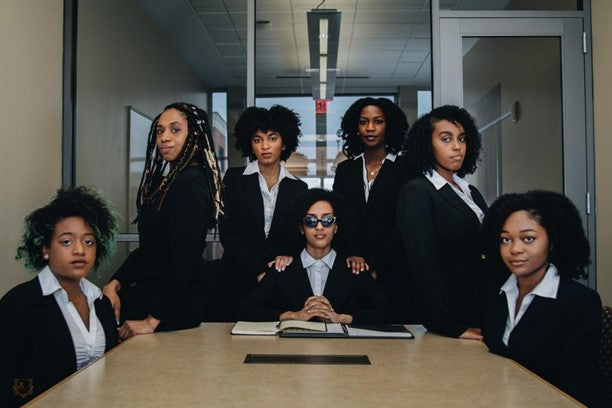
{"x":45,"y":256}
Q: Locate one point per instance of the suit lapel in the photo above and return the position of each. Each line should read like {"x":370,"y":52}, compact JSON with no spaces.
{"x":539,"y":307}
{"x":337,"y":287}
{"x":255,"y":201}
{"x":355,"y":181}
{"x":380,"y":184}
{"x":453,"y":199}
{"x":51,"y":317}
{"x":283,"y":201}
{"x":477,"y":197}
{"x":301,"y":281}
{"x":499,"y":318}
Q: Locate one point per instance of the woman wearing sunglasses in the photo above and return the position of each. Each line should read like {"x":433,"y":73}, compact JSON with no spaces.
{"x":318,"y":284}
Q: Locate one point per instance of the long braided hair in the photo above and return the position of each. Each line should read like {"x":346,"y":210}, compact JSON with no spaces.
{"x":198,"y":148}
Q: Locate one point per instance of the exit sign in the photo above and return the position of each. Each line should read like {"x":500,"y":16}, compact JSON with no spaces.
{"x":321,"y":106}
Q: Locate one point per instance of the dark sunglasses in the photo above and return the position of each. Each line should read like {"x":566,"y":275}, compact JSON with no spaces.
{"x":311,"y":222}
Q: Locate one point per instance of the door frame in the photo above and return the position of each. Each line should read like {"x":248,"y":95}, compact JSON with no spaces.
{"x":573,"y":29}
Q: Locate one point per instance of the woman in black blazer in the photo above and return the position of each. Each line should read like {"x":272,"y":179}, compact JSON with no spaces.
{"x":258,"y":198}
{"x":536,"y":313}
{"x":160,"y":286}
{"x":439,"y":216}
{"x":374,"y":132}
{"x":318,"y":285}
{"x":57,"y":322}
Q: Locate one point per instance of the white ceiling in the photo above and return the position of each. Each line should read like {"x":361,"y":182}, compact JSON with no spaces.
{"x":384,"y":44}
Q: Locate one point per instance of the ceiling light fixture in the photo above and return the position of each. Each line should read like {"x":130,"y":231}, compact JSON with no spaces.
{"x":323,"y":68}
{"x":323,"y":41}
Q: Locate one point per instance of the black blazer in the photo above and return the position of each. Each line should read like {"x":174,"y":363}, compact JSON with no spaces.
{"x":441,"y":240}
{"x":246,"y":250}
{"x":166,"y":267}
{"x":558,"y":339}
{"x":373,"y":232}
{"x":357,"y":295}
{"x":36,"y":343}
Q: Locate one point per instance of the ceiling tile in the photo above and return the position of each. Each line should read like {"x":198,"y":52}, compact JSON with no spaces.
{"x":384,"y":17}
{"x":414,"y":56}
{"x":239,"y":20}
{"x":216,"y":20}
{"x":223,"y":35}
{"x":208,"y":5}
{"x":418,"y":44}
{"x":228,"y":50}
{"x":406,"y":70}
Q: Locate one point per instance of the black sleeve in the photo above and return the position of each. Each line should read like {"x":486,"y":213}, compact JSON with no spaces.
{"x":126,"y":273}
{"x":263,"y":303}
{"x":373,"y":306}
{"x":229,"y":233}
{"x":577,"y":362}
{"x":12,"y":349}
{"x":189,"y":204}
{"x":416,"y":218}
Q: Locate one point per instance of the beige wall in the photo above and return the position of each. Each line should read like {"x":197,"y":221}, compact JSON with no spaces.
{"x":602,"y":89}
{"x":122,"y":60}
{"x":31,"y":106}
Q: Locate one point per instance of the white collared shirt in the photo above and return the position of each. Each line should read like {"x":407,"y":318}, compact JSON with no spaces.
{"x":318,"y":270}
{"x":548,"y":287}
{"x":367,"y":184}
{"x":463,"y":191}
{"x":88,"y":344}
{"x":269,"y":196}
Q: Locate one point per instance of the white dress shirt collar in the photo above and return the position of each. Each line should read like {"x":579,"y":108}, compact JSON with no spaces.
{"x":438,"y":181}
{"x":367,"y":184}
{"x":253,"y":167}
{"x":89,"y":342}
{"x":268,"y":196}
{"x":317,"y":270}
{"x":547,"y":287}
{"x":49,"y":285}
{"x":308,"y":260}
{"x":463,"y":191}
{"x":389,"y":156}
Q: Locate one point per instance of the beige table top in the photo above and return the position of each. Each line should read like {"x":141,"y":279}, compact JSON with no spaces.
{"x":204,"y":367}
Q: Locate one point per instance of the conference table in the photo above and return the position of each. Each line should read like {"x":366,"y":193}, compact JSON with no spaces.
{"x":206,"y":366}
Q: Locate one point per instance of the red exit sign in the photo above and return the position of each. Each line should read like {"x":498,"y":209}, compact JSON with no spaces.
{"x":321,"y":106}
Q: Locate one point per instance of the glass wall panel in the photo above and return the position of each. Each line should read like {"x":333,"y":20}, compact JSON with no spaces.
{"x":319,"y":57}
{"x":512,"y":85}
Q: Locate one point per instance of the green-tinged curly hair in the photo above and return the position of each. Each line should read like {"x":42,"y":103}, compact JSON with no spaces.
{"x":81,"y":202}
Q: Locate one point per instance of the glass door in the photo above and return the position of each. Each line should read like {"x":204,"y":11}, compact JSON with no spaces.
{"x":523,"y":80}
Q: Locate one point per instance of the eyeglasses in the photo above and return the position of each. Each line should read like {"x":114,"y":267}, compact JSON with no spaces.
{"x":311,"y":222}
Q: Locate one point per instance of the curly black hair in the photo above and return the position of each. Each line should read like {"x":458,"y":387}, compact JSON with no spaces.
{"x":81,"y":202}
{"x":278,"y":119}
{"x":569,"y":246}
{"x":395,"y":130}
{"x":419,"y":150}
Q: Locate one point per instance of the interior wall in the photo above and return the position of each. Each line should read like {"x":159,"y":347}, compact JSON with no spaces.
{"x":31,"y":105}
{"x":528,"y":71}
{"x":602,"y":93}
{"x":122,"y":60}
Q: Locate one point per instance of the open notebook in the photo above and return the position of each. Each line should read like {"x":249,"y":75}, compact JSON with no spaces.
{"x":298,"y":328}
